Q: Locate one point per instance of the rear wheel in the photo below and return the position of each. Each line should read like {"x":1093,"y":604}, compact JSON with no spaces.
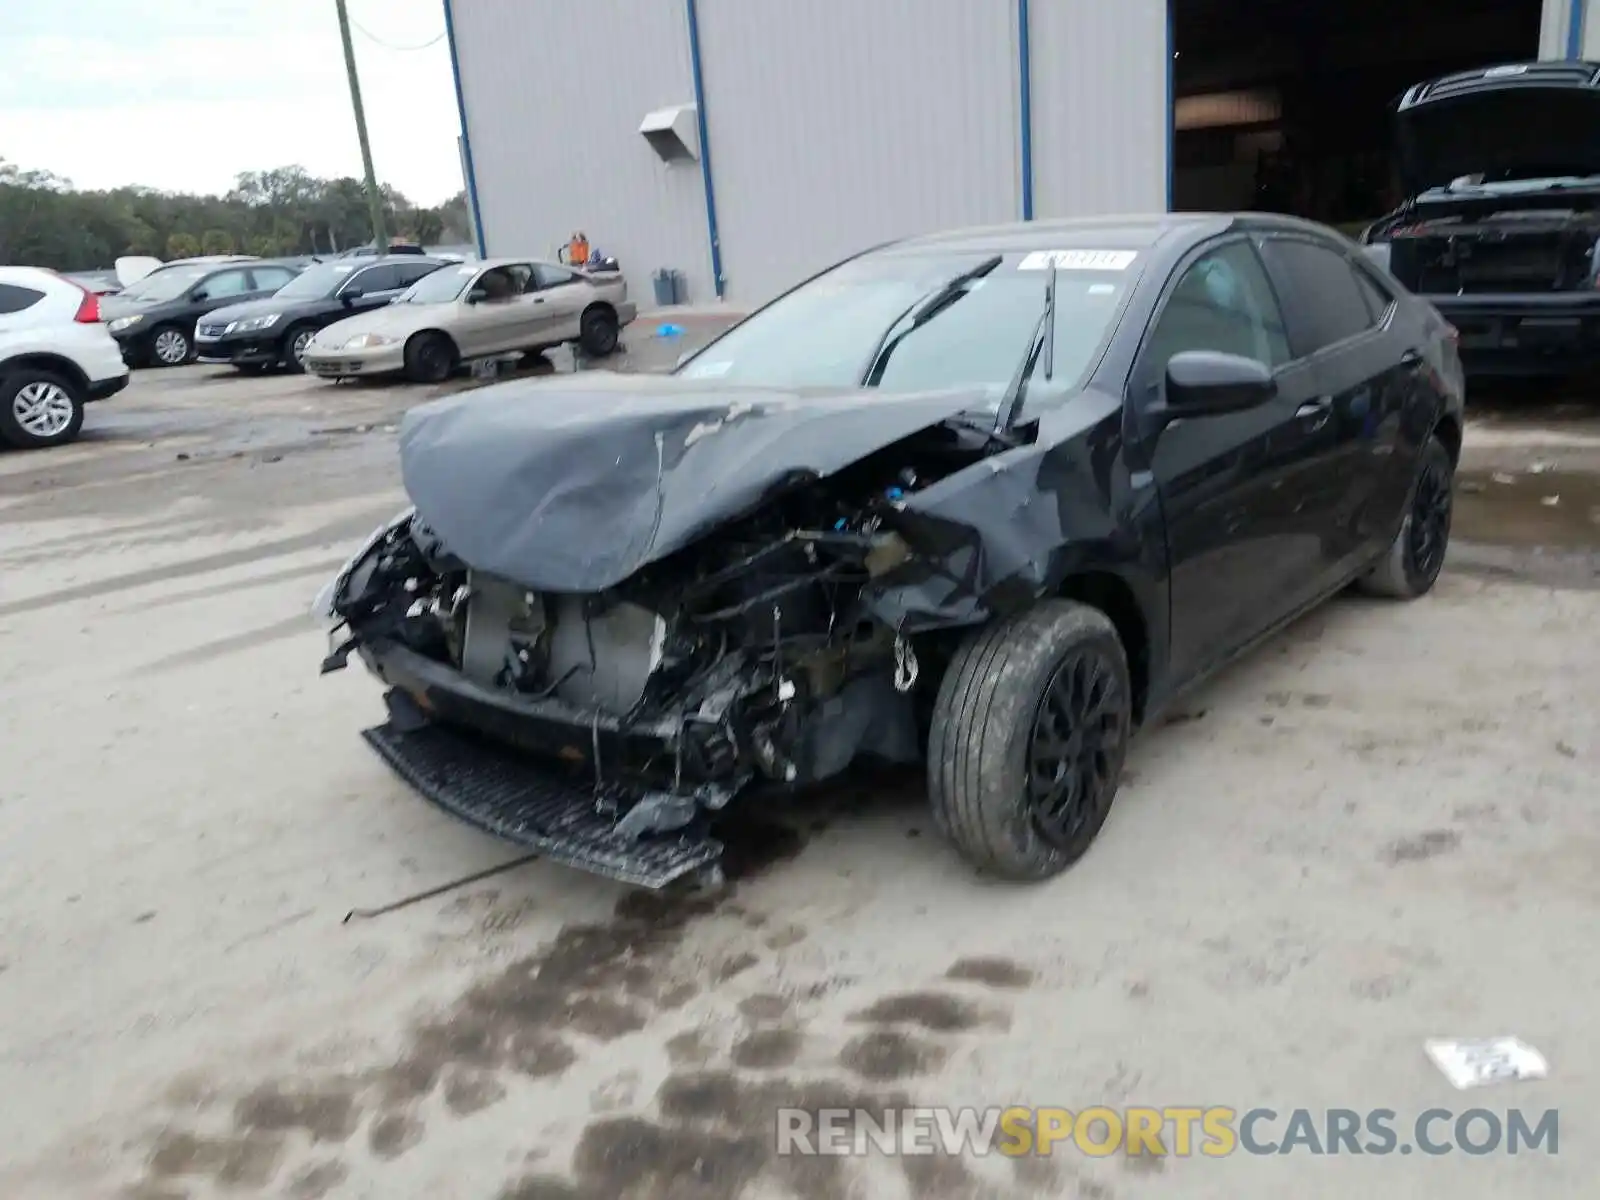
{"x":294,"y":347}
{"x":1029,"y":733}
{"x":598,"y":332}
{"x":39,"y":409}
{"x":430,"y":357}
{"x":170,"y":347}
{"x":1416,"y":556}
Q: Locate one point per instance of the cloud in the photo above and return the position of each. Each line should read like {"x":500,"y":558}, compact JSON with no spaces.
{"x":244,"y":86}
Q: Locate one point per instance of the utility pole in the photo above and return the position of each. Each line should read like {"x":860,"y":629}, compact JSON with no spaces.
{"x":380,"y":238}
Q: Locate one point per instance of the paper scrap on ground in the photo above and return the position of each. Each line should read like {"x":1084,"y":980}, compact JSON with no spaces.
{"x":1470,"y":1063}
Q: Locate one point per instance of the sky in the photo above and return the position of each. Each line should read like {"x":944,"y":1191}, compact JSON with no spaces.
{"x":183,"y":95}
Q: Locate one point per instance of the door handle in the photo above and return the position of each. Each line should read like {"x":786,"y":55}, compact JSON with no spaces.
{"x":1320,"y":407}
{"x":1411,"y":359}
{"x":538,"y":299}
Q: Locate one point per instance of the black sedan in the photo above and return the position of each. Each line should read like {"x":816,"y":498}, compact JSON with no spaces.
{"x":276,"y":330}
{"x":154,"y":319}
{"x":986,"y":500}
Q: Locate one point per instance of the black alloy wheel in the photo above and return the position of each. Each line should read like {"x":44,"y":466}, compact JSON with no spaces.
{"x":1431,"y":506}
{"x":1076,"y":746}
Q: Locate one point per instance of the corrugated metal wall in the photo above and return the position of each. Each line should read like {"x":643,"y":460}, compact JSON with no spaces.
{"x":833,"y":124}
{"x":1099,"y":106}
{"x":837,"y":124}
{"x":554,"y":92}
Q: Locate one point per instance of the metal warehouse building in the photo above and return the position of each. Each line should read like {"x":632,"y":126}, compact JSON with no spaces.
{"x":749,"y":143}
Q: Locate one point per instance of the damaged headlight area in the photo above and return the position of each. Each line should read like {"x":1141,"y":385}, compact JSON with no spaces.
{"x":744,"y":657}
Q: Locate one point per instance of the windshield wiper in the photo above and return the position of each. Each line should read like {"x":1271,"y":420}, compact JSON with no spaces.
{"x":920,"y":314}
{"x":1042,"y":344}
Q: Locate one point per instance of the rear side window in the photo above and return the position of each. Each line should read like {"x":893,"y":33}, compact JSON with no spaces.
{"x":409,"y":273}
{"x":549,"y":277}
{"x":270,"y":279}
{"x":374,"y":279}
{"x":15,"y":299}
{"x":1327,"y":302}
{"x":1378,"y":297}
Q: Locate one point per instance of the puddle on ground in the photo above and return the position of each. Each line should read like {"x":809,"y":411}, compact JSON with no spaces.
{"x":1513,"y":508}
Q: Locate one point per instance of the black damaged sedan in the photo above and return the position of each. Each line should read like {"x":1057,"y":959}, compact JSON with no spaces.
{"x":987,"y":500}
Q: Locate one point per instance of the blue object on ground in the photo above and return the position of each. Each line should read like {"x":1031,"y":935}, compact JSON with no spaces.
{"x":669,"y":330}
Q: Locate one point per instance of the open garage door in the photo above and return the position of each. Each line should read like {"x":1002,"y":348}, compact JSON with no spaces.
{"x":1289,"y":107}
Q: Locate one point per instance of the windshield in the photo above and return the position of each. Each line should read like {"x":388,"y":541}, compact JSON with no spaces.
{"x":439,"y":287}
{"x":167,"y":283}
{"x":317,"y":282}
{"x":824,"y":333}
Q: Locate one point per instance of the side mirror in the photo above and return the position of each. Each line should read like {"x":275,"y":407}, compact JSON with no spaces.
{"x":199,"y":295}
{"x":477,"y":296}
{"x":1205,"y":383}
{"x":350,"y":297}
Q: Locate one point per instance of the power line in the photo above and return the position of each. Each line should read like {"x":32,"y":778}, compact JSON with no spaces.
{"x":372,"y":37}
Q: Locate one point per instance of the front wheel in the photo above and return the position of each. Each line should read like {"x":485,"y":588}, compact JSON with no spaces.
{"x":294,"y":347}
{"x":1416,"y":556}
{"x":598,"y":332}
{"x":430,"y":357}
{"x":1029,"y":733}
{"x":39,"y":409}
{"x":170,"y":347}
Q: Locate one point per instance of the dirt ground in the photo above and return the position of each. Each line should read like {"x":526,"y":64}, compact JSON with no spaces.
{"x":1380,"y":828}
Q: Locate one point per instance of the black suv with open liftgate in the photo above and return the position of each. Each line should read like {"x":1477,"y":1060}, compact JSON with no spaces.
{"x":274,"y":331}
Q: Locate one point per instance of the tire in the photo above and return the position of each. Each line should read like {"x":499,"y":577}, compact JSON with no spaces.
{"x":1416,"y":556}
{"x":430,"y":358}
{"x":295,"y":339}
{"x":168,"y":346}
{"x":1002,"y":700}
{"x":39,"y":409}
{"x":598,"y":332}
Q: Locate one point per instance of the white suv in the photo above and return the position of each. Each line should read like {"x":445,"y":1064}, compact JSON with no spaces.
{"x":55,"y":357}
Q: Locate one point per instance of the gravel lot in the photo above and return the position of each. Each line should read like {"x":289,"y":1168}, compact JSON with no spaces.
{"x":1380,"y":828}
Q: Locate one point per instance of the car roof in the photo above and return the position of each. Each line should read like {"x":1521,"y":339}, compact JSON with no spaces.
{"x":1137,"y":231}
{"x":404,"y":260}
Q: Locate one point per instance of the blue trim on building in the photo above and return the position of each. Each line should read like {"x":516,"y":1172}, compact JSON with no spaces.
{"x":705,"y":144}
{"x":1025,"y":86}
{"x":466,"y":138}
{"x":1575,"y":14}
{"x":1172,"y":106}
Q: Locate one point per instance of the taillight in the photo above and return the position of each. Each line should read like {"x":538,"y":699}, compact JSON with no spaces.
{"x":88,"y":309}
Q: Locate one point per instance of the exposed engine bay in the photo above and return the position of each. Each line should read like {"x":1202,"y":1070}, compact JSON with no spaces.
{"x":1498,"y":252}
{"x":743,"y":656}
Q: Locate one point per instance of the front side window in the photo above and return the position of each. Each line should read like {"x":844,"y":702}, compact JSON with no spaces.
{"x":1224,"y":302}
{"x":441,"y":287}
{"x":374,"y":279}
{"x":504,"y":283}
{"x":826,"y":332}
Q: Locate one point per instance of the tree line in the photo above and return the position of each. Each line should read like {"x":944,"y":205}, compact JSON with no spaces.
{"x":46,"y":222}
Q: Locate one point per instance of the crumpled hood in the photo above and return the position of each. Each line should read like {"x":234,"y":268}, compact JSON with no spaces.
{"x":573,"y":485}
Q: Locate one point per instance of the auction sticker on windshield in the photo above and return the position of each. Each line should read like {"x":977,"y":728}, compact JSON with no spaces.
{"x":1078,"y":260}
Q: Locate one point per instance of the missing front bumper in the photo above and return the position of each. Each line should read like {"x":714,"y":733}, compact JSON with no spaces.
{"x":511,"y":797}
